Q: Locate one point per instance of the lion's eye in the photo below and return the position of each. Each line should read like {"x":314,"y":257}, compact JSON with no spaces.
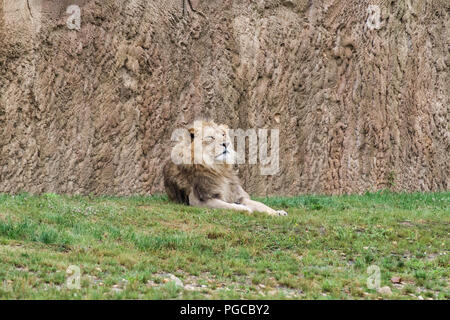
{"x":209,"y":138}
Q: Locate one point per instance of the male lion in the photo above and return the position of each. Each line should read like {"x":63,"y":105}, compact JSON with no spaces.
{"x":199,"y":172}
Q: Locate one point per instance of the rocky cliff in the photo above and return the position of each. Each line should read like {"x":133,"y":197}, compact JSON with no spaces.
{"x":358,"y":89}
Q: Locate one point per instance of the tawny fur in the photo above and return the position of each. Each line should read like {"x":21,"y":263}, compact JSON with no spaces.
{"x":213,"y":185}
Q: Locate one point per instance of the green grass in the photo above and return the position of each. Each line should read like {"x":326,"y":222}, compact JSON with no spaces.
{"x":322,"y":250}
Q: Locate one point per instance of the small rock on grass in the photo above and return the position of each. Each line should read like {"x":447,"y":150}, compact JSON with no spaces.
{"x":190,"y":287}
{"x":385,"y":290}
{"x":396,"y":280}
{"x":167,"y":277}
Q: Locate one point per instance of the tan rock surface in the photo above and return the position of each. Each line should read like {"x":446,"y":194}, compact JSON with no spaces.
{"x":92,"y":111}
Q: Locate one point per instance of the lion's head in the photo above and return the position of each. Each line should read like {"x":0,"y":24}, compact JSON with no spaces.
{"x":205,"y":143}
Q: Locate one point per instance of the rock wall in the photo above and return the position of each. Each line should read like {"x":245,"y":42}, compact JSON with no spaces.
{"x":361,"y":101}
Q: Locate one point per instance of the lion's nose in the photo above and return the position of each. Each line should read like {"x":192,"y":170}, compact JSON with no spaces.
{"x":226,"y":144}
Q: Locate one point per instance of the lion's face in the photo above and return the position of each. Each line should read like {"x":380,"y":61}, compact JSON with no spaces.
{"x":211,"y":144}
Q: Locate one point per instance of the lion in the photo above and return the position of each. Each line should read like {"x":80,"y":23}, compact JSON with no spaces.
{"x":200,"y":171}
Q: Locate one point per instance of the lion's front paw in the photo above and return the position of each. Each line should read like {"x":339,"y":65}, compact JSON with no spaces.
{"x":242,"y":207}
{"x":282,"y":213}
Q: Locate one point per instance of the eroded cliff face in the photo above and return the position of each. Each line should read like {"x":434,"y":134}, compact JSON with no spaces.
{"x":361,"y":102}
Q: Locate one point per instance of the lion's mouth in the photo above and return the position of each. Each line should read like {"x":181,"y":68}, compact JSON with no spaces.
{"x":223,"y":154}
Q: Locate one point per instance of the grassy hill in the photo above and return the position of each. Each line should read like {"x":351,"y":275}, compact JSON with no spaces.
{"x":147,"y":248}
